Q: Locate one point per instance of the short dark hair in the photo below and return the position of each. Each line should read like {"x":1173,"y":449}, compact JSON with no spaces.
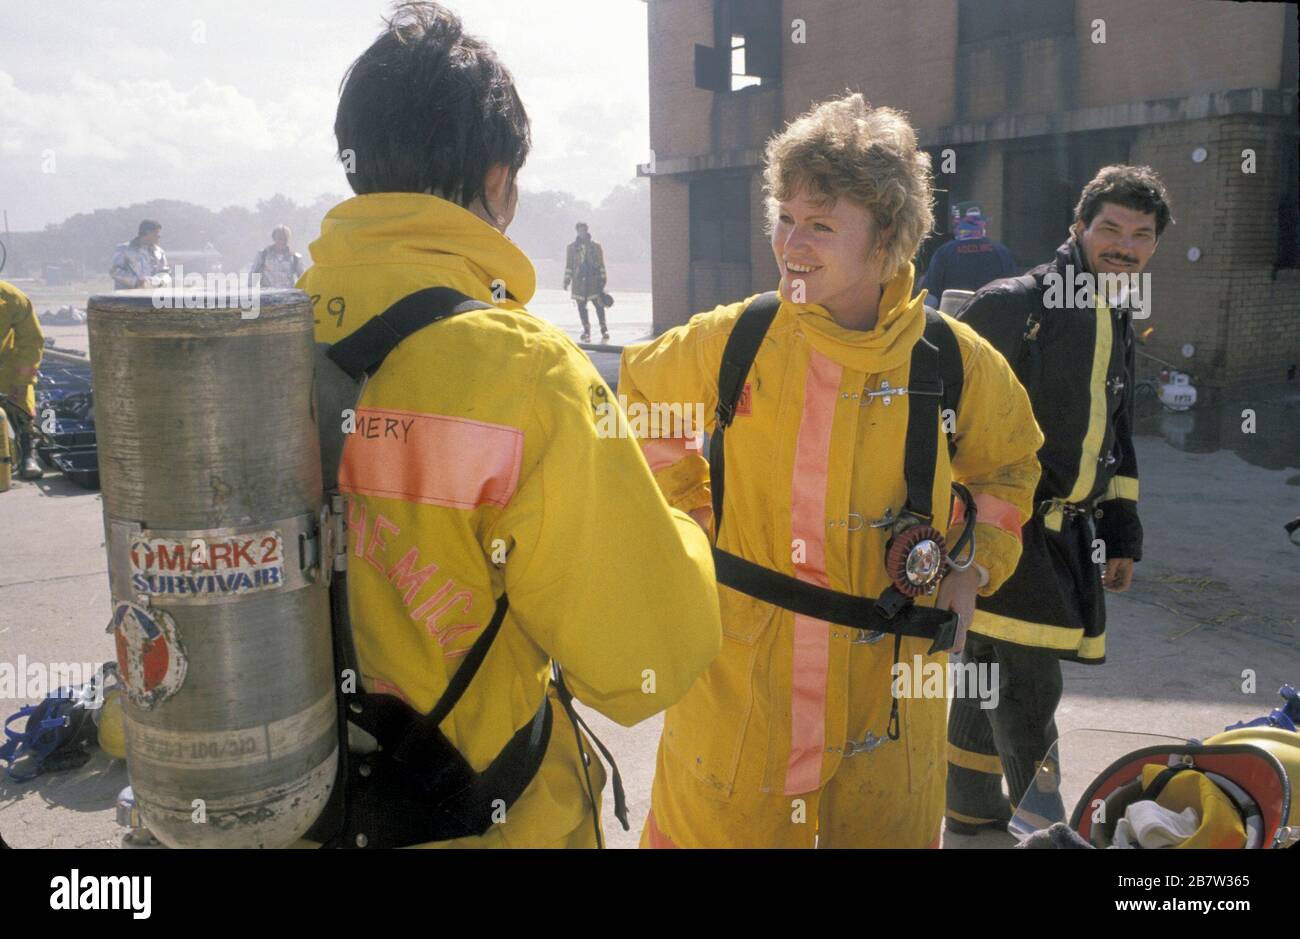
{"x":581,"y":225}
{"x":1139,"y":188}
{"x":146,"y":226}
{"x":429,"y":109}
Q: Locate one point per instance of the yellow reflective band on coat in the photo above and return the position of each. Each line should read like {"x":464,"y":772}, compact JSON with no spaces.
{"x":1092,"y":647}
{"x":1039,"y":635}
{"x":1090,"y":452}
{"x":975,"y":762}
{"x":1121,"y":487}
{"x":1025,"y":633}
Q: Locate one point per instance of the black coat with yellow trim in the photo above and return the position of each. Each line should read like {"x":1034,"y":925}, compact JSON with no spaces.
{"x":1070,"y":398}
{"x":1080,"y":382}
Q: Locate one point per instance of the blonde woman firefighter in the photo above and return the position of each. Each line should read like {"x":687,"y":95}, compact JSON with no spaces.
{"x":848,"y":416}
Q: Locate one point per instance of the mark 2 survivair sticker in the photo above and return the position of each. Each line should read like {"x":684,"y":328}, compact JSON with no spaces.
{"x":224,"y":566}
{"x":150,"y":659}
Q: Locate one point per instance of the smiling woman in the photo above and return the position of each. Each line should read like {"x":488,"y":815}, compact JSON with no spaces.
{"x":465,"y":430}
{"x":835,"y":251}
{"x":830,"y":405}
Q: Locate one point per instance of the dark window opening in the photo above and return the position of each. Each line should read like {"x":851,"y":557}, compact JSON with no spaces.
{"x":719,"y":213}
{"x":1041,"y":183}
{"x":992,"y":20}
{"x":746,"y":49}
{"x":1288,"y":211}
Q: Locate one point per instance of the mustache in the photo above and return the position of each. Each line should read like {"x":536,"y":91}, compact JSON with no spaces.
{"x":1122,"y":258}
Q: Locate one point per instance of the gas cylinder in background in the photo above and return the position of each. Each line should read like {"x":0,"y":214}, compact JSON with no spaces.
{"x":210,"y":469}
{"x":953,"y":300}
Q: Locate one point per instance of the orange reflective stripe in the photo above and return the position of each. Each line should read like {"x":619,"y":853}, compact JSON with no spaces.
{"x":387,"y":687}
{"x":432,"y":459}
{"x":991,"y":510}
{"x":808,"y":527}
{"x":663,"y":452}
{"x":654,"y":837}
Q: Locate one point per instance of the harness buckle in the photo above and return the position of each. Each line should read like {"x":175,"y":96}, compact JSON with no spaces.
{"x":337,"y":538}
{"x":867,"y":637}
{"x":1047,"y":506}
{"x":885,"y":392}
{"x":885,"y":521}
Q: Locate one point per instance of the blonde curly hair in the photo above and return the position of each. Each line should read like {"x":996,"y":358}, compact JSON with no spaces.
{"x":846,"y":148}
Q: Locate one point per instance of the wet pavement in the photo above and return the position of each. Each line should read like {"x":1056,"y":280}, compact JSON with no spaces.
{"x":1263,"y":427}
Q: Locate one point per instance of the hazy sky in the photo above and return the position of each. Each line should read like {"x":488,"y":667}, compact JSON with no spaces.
{"x":224,"y":102}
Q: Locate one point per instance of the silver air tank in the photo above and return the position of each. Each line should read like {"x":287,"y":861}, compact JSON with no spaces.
{"x":209,"y":462}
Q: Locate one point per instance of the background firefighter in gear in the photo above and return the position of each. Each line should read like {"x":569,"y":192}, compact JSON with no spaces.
{"x":279,"y":265}
{"x":474,"y":470}
{"x":785,"y":739}
{"x":141,"y":262}
{"x":1053,"y":607}
{"x":22,"y":344}
{"x":584,"y":271}
{"x":971,"y":260}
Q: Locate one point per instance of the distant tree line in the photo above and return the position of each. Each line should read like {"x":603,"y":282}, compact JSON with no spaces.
{"x":542,"y":227}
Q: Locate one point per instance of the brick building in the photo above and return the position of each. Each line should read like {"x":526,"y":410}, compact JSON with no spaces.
{"x":1025,"y":99}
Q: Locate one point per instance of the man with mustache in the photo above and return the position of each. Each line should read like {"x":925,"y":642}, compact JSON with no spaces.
{"x":1076,"y":360}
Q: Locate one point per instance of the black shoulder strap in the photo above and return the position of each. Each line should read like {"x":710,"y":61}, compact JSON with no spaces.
{"x":737,"y":358}
{"x":364,"y":350}
{"x":936,"y":379}
{"x":934,"y":384}
{"x":951,"y":369}
{"x":362,"y":353}
{"x":415,"y":738}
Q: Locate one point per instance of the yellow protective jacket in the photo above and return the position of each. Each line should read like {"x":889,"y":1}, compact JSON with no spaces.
{"x":22,"y":344}
{"x":479,"y":466}
{"x":811,"y":462}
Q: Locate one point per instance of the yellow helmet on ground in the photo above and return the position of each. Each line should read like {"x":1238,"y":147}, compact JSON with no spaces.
{"x":1239,"y":783}
{"x":110,"y":720}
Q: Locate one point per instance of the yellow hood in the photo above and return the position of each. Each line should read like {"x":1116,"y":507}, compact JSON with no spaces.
{"x":885,"y":346}
{"x":427,"y":234}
